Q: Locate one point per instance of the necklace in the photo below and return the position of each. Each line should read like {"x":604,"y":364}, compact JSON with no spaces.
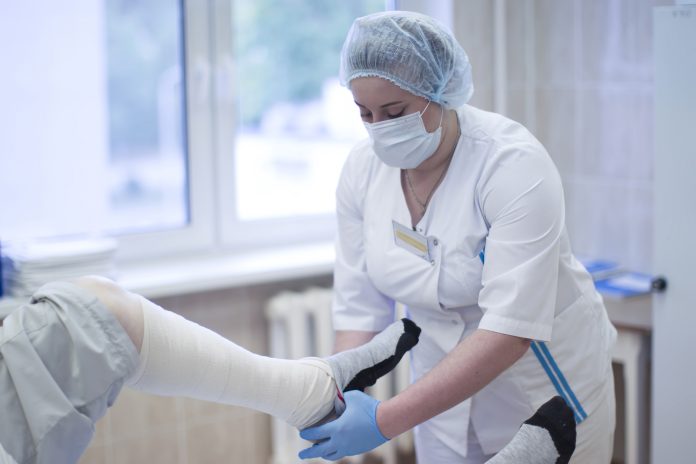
{"x":424,"y":204}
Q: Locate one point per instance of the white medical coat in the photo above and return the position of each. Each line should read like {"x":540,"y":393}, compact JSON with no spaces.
{"x":499,"y":260}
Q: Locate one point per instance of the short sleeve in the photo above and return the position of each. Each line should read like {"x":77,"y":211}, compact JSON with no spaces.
{"x":521,"y":197}
{"x":357,"y":304}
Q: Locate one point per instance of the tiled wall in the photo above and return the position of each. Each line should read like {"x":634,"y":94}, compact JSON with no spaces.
{"x":580,"y":77}
{"x":145,"y":429}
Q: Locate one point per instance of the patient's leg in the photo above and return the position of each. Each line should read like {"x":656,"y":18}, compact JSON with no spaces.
{"x":181,"y":358}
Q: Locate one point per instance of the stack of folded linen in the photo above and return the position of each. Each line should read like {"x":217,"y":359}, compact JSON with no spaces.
{"x":29,"y":265}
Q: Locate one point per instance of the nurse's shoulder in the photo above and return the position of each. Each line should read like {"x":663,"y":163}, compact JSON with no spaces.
{"x":493,"y":128}
{"x":504,"y":143}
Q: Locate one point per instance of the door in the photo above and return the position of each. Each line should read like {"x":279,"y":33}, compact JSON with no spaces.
{"x":674,"y":311}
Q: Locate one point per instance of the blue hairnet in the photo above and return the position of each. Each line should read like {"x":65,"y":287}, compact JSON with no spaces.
{"x":413,"y":51}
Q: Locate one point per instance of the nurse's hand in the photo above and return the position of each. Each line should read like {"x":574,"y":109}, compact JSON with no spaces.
{"x":355,"y":432}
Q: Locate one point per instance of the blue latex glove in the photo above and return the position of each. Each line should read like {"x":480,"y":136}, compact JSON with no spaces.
{"x":355,"y":432}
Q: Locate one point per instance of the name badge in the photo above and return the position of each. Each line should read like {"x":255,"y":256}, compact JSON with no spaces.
{"x":410,"y":240}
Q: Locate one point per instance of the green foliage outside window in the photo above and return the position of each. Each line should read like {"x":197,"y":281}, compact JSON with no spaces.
{"x":143,"y":40}
{"x":286,"y":49}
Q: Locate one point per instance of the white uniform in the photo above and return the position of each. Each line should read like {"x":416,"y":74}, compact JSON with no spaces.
{"x":497,"y":258}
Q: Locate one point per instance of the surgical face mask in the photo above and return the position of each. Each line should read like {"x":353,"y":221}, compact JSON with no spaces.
{"x":404,"y":142}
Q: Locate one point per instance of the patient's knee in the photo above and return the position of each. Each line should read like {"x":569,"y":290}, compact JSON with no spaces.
{"x":107,"y":291}
{"x":119,"y":301}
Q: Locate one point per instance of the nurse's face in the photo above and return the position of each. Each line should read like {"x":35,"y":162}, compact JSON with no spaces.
{"x":379,"y":100}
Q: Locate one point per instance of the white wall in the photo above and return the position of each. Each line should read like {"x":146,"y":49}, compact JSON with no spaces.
{"x":55,"y":81}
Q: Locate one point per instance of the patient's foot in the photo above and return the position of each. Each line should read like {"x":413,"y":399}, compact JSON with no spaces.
{"x":548,"y":437}
{"x":360,"y":367}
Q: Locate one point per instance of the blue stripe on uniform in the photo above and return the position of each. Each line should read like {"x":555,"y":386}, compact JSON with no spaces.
{"x":563,"y":380}
{"x":552,"y":378}
{"x":579,"y":413}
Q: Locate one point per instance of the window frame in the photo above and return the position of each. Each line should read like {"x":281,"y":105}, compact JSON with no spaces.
{"x":199,"y":234}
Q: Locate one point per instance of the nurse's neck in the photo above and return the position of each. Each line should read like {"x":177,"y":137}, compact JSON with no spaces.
{"x":440,"y":159}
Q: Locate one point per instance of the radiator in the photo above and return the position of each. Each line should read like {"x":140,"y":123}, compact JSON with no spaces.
{"x":300,"y":326}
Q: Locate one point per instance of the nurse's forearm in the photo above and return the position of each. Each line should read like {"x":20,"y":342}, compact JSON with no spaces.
{"x":472,"y":365}
{"x":347,"y":339}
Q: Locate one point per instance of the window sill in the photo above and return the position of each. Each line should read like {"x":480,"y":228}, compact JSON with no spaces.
{"x":172,"y":277}
{"x":200,"y":274}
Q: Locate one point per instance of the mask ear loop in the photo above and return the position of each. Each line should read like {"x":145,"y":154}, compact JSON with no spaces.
{"x":442,"y":114}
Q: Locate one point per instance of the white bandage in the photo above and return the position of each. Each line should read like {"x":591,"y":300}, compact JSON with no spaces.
{"x":181,"y":358}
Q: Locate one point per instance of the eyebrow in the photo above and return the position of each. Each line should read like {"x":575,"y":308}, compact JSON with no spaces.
{"x":383,"y":106}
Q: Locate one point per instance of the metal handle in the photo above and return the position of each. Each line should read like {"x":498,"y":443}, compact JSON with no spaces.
{"x":659,"y":284}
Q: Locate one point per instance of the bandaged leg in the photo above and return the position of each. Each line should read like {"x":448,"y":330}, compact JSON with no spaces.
{"x":181,"y":358}
{"x":548,"y":437}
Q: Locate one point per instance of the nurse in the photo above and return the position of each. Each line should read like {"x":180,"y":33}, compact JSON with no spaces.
{"x":458,"y":213}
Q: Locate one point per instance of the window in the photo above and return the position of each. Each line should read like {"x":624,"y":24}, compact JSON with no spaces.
{"x":174,"y":125}
{"x":146,"y":132}
{"x":293,"y":123}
